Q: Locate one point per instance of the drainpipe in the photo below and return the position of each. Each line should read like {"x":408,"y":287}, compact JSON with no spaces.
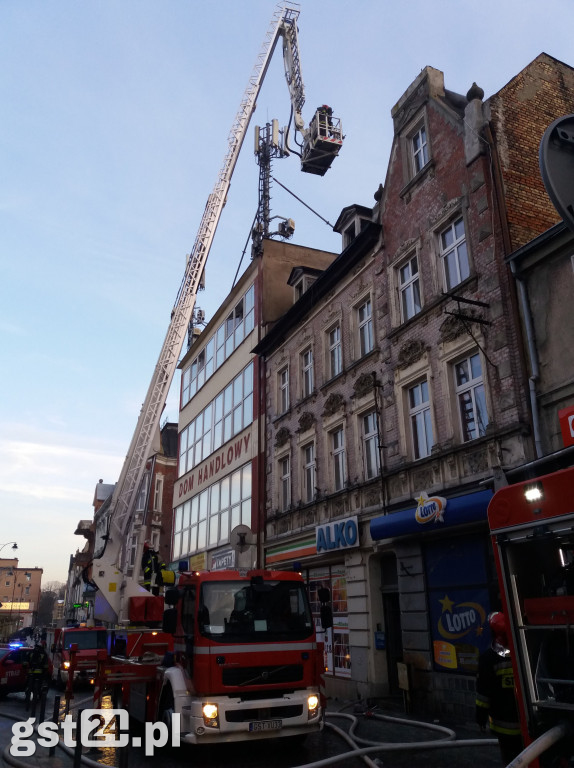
{"x":532,"y":357}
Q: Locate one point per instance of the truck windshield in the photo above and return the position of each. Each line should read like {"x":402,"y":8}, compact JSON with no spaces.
{"x":86,"y":639}
{"x":240,"y":611}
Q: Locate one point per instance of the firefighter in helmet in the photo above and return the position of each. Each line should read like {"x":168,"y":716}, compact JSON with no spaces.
{"x":152,"y":567}
{"x":495,"y":691}
{"x":38,"y":672}
{"x":325,"y":114}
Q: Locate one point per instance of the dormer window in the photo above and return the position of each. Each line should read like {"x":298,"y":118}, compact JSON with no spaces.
{"x":303,"y":285}
{"x":349,"y":235}
{"x":353,"y":220}
{"x":301,"y":279}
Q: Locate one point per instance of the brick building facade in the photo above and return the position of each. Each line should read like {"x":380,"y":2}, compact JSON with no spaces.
{"x":397,"y":393}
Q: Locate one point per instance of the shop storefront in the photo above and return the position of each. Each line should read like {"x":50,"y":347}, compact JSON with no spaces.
{"x":447,"y":588}
{"x":320,"y":558}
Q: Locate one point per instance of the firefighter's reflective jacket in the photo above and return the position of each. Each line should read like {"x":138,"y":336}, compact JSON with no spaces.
{"x":38,"y":663}
{"x":495,"y":693}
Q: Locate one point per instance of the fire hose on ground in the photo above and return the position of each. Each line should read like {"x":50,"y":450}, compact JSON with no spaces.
{"x":363,"y":748}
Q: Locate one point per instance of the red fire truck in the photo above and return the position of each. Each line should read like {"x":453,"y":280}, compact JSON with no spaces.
{"x":87,"y":640}
{"x":237,"y":658}
{"x":532,"y":528}
{"x":235,"y":653}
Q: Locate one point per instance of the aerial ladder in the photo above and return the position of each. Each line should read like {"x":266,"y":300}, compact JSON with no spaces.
{"x":321,"y":142}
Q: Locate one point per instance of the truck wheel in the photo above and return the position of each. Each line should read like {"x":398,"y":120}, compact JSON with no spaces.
{"x":167,"y":709}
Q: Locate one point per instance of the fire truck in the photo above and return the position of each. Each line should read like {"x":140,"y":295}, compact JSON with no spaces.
{"x":233,"y":653}
{"x":87,"y":642}
{"x":532,"y":529}
{"x":236,"y":658}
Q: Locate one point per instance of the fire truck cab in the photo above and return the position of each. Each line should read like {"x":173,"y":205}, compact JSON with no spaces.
{"x":237,"y":659}
{"x":87,"y":641}
{"x":532,"y":529}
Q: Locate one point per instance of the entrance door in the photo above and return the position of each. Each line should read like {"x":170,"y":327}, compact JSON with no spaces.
{"x":392,"y":619}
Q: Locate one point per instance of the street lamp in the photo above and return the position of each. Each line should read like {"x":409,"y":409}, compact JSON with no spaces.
{"x":14,"y":545}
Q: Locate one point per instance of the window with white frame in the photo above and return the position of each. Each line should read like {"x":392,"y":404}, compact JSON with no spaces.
{"x":409,"y":289}
{"x":335,"y":363}
{"x":303,"y":285}
{"x":238,"y":325}
{"x":142,"y":495}
{"x":283,"y":390}
{"x":284,"y":483}
{"x":157,"y":494}
{"x":365,"y":327}
{"x":225,"y":416}
{"x":132,"y":552}
{"x":209,"y":517}
{"x":454,"y":254}
{"x":471,"y":397}
{"x":339,"y":463}
{"x":307,"y":382}
{"x":349,"y":234}
{"x":371,"y":454}
{"x":420,"y":420}
{"x":308,"y":475}
{"x":420,"y":150}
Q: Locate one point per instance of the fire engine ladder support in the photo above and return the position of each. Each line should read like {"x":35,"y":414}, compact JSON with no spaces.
{"x":293,"y":71}
{"x":107,"y":569}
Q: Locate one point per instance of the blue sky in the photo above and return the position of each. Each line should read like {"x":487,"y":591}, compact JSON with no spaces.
{"x":114,"y":120}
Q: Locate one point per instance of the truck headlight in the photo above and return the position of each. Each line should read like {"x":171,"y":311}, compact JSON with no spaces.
{"x":313,"y":705}
{"x":66,"y":665}
{"x":210,"y":715}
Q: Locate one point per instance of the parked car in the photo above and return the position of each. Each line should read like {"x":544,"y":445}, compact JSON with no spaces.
{"x":14,"y":668}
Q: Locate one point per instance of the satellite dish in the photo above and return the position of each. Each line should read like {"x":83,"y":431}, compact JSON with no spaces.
{"x":556,"y":159}
{"x":242,"y":538}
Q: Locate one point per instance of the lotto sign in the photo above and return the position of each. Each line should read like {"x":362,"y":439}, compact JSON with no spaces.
{"x":566,"y":417}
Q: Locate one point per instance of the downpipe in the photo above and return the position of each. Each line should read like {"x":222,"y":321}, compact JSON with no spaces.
{"x":541,"y":744}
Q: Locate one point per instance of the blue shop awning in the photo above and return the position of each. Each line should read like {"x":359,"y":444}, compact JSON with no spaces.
{"x":469,"y":508}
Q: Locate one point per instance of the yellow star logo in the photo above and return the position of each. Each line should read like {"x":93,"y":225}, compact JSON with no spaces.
{"x":447,"y":604}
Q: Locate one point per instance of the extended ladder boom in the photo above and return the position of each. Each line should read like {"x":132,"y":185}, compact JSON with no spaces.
{"x":107,"y":573}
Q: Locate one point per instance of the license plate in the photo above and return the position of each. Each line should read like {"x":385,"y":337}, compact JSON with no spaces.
{"x":266,"y":725}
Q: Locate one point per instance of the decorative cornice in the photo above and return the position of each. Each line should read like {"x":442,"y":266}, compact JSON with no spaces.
{"x":333,"y":404}
{"x":306,"y":421}
{"x":282,"y":437}
{"x":410,"y":352}
{"x":451,"y":329}
{"x":363,"y":385}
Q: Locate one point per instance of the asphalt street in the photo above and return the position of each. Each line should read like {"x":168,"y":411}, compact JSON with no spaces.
{"x":405,"y":742}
